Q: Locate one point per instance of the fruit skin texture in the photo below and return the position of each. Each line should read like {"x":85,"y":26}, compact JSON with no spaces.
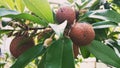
{"x":65,"y":13}
{"x":75,"y":50}
{"x":20,"y":44}
{"x":82,"y":34}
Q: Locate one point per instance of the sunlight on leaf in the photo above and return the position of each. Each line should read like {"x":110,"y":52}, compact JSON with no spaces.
{"x":10,"y":4}
{"x":108,"y":15}
{"x":41,"y":8}
{"x":20,"y":5}
{"x":104,"y":24}
{"x":4,"y":12}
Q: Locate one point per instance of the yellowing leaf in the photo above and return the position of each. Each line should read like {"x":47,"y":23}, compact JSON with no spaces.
{"x":40,"y":8}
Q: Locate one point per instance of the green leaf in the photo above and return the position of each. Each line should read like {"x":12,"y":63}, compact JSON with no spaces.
{"x":104,"y":24}
{"x":106,"y":15}
{"x":95,"y":5}
{"x":60,"y":54}
{"x":20,"y":5}
{"x":28,"y":56}
{"x":104,"y":53}
{"x":114,"y":44}
{"x":54,"y":55}
{"x":42,"y":62}
{"x":117,"y":2}
{"x":2,"y":64}
{"x":10,"y":4}
{"x":16,"y":15}
{"x":83,"y":0}
{"x":40,"y":8}
{"x":27,"y":17}
{"x":4,"y":23}
{"x":85,"y":15}
{"x":101,"y":34}
{"x":117,"y":47}
{"x":113,"y":33}
{"x":68,"y":58}
{"x":2,"y":3}
{"x":5,"y":31}
{"x":71,"y":1}
{"x":85,"y":53}
{"x":59,"y":29}
{"x":83,"y":5}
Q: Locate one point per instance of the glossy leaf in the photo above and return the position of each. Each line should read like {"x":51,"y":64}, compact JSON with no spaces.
{"x":54,"y":55}
{"x":20,"y":5}
{"x":27,"y":17}
{"x":40,"y":8}
{"x":68,"y":58}
{"x":59,"y":29}
{"x":104,"y":53}
{"x":16,"y":15}
{"x":117,"y":46}
{"x":85,"y":53}
{"x":4,"y":12}
{"x":106,"y":15}
{"x":57,"y":55}
{"x":60,"y":54}
{"x":114,"y":44}
{"x":28,"y":56}
{"x":103,"y":24}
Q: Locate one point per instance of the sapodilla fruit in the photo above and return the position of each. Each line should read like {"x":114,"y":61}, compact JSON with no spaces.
{"x":20,"y":44}
{"x":75,"y":50}
{"x":82,"y":34}
{"x":65,"y":13}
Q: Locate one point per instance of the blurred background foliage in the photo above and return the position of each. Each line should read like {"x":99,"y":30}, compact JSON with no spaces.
{"x":104,"y":15}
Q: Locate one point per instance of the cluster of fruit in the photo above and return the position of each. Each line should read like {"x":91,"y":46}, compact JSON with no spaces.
{"x":80,"y":33}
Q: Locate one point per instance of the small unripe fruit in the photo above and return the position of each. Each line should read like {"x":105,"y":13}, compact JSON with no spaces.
{"x":82,"y":34}
{"x":20,"y":44}
{"x":65,"y":13}
{"x":75,"y":50}
{"x":47,"y":42}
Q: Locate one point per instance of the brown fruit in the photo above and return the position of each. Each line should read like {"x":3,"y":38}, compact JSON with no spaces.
{"x":20,"y":44}
{"x":65,"y":13}
{"x":82,"y":34}
{"x":75,"y":50}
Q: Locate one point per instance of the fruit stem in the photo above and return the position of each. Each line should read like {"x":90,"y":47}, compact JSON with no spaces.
{"x":24,"y":29}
